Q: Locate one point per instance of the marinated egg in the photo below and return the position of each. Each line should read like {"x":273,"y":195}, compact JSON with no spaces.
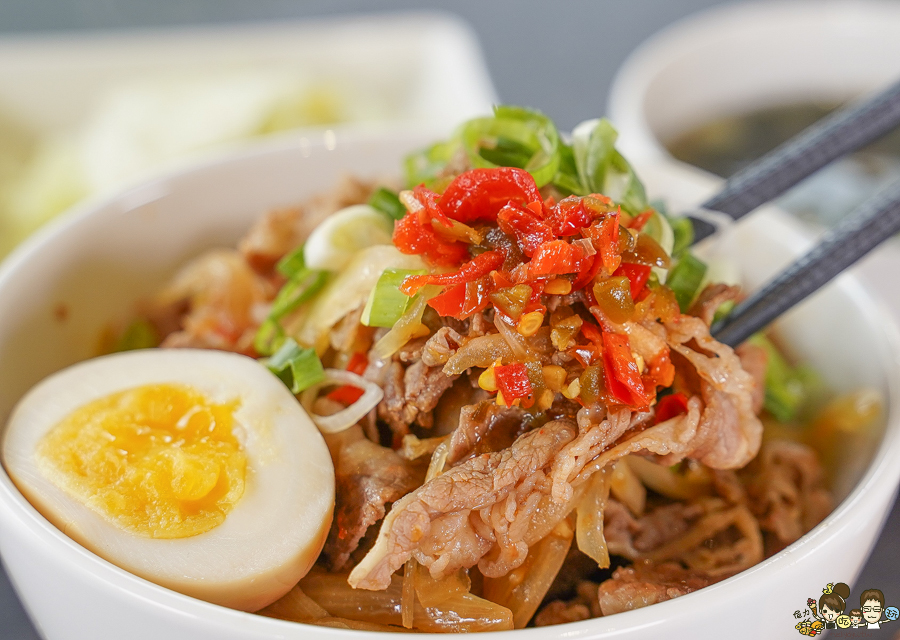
{"x":197,"y":470}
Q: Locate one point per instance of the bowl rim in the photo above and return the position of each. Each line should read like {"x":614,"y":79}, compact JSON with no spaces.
{"x":716,"y":26}
{"x":880,"y":475}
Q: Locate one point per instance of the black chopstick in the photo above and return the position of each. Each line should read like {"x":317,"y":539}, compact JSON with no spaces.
{"x":870,"y":224}
{"x":830,"y":138}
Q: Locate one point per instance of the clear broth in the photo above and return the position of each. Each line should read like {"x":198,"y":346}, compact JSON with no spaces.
{"x":727,"y":145}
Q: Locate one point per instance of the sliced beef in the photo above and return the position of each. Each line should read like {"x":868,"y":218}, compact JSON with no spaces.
{"x":439,"y":347}
{"x":222,"y":299}
{"x":411,"y":394}
{"x":729,"y":433}
{"x":452,"y":514}
{"x":755,"y":360}
{"x":632,"y":537}
{"x":712,"y":297}
{"x":368,"y":478}
{"x":281,"y":230}
{"x":485,"y":427}
{"x":560,"y":612}
{"x":645,"y":583}
{"x":271,"y":238}
{"x":787,"y":493}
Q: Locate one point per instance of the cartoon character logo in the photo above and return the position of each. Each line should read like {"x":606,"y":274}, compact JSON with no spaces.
{"x":831,"y":604}
{"x":871,"y":604}
{"x":828,"y":612}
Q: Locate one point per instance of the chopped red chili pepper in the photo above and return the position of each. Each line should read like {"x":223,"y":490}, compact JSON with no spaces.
{"x":479,"y":194}
{"x":592,"y":333}
{"x":569,"y":216}
{"x":619,"y":365}
{"x":586,"y":354}
{"x":450,"y":301}
{"x":556,"y":257}
{"x":588,"y":274}
{"x":480,"y":265}
{"x":670,"y":406}
{"x":348,"y":394}
{"x":415,"y":237}
{"x":637,"y":274}
{"x":501,"y":279}
{"x":640,"y":220}
{"x":462,"y":300}
{"x":661,"y":371}
{"x":604,"y":233}
{"x":512,"y":381}
{"x":529,"y":231}
{"x":358,"y":363}
{"x":429,"y":200}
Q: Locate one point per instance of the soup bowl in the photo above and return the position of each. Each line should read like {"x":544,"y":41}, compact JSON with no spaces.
{"x":737,"y":58}
{"x":61,"y":288}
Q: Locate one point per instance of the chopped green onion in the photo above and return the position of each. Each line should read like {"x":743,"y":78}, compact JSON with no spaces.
{"x":514,"y":137}
{"x":566,"y":179}
{"x":685,"y":278}
{"x":602,"y":169}
{"x":788,"y":389}
{"x":507,"y":152}
{"x":303,"y":283}
{"x":297,"y":291}
{"x":293,"y":263}
{"x":424,"y":166}
{"x":269,"y":337}
{"x":684,"y":235}
{"x":723,"y":310}
{"x":386,"y":302}
{"x":387,"y":202}
{"x":297,"y":367}
{"x":140,"y":334}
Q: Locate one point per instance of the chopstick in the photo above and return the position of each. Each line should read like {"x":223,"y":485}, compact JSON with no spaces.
{"x":873,"y":222}
{"x":830,"y":138}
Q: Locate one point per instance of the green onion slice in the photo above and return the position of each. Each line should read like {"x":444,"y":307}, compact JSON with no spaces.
{"x":303,"y":283}
{"x":296,"y":291}
{"x":140,"y":334}
{"x":514,"y":137}
{"x":387,"y":202}
{"x":788,"y":389}
{"x":566,"y":179}
{"x":269,"y":337}
{"x":297,"y":367}
{"x":386,"y":303}
{"x":685,"y":279}
{"x":602,"y":169}
{"x":293,"y":263}
{"x":684,"y":235}
{"x":424,"y":166}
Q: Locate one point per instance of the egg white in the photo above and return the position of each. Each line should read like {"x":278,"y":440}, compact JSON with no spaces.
{"x":272,"y":535}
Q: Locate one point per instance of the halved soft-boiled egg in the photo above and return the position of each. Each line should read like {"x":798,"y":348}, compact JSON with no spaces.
{"x":197,"y":470}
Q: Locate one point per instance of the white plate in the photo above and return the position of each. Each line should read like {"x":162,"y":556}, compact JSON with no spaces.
{"x":425,"y":68}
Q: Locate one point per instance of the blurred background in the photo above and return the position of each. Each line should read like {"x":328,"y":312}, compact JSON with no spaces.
{"x":96,"y":94}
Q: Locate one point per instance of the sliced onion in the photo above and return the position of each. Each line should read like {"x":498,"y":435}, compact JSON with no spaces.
{"x":515,"y":341}
{"x":346,"y":418}
{"x":409,"y":324}
{"x":410,"y":201}
{"x":587,"y":246}
{"x":438,"y":460}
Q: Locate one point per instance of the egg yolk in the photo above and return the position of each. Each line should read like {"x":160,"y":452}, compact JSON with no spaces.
{"x":158,"y":460}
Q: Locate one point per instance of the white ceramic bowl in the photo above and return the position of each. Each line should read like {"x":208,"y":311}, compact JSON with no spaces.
{"x":98,"y":260}
{"x":737,"y":58}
